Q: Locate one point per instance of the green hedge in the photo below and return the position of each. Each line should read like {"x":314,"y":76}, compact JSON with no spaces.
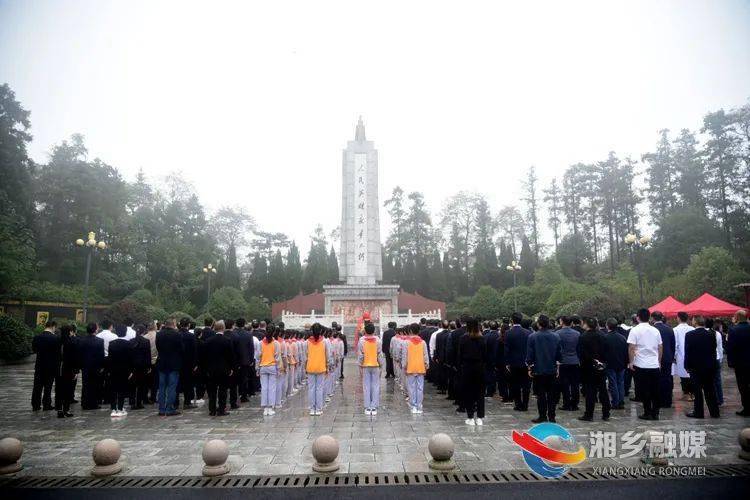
{"x":15,"y":339}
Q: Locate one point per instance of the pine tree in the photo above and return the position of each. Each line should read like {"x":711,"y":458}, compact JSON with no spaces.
{"x":532,"y":210}
{"x":661,"y":176}
{"x":232,"y":272}
{"x":293,"y":271}
{"x":552,"y":199}
{"x":333,"y":267}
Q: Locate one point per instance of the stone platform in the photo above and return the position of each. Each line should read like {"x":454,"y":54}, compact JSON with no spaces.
{"x":393,"y":441}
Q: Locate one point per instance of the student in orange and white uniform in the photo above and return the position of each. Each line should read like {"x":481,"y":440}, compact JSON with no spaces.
{"x":316,"y":366}
{"x":292,"y":358}
{"x":268,"y":361}
{"x":371,"y":361}
{"x":328,"y":388}
{"x":281,"y":375}
{"x":417,"y":360}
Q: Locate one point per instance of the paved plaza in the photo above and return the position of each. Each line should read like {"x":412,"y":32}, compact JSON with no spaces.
{"x":393,"y":441}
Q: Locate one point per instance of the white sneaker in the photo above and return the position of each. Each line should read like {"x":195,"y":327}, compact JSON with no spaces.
{"x":469,"y":421}
{"x":368,"y":411}
{"x":419,"y":410}
{"x":328,"y":399}
{"x":478,"y":421}
{"x":123,"y":413}
{"x":318,"y":413}
{"x":265,"y":411}
{"x":373,"y":412}
{"x":414,"y":410}
{"x":313,"y":413}
{"x":114,"y":413}
{"x":271,"y":412}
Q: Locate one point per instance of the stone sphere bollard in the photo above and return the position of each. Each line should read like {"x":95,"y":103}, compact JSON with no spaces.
{"x":325,"y":450}
{"x":653,"y":451}
{"x":744,"y":440}
{"x":11,"y":450}
{"x":441,"y":448}
{"x":106,"y":458}
{"x":215,"y":454}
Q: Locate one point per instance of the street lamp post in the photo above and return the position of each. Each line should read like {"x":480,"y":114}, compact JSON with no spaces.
{"x":637,"y":245}
{"x":209,"y":270}
{"x":90,"y":245}
{"x":514,"y":267}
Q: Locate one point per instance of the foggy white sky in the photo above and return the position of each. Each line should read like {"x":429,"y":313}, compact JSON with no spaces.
{"x":254,"y":101}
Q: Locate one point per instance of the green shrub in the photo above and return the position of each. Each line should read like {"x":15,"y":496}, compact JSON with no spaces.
{"x":603,"y":307}
{"x":257,"y":309}
{"x":15,"y":339}
{"x":178,"y":315}
{"x":227,"y":303}
{"x":139,"y":313}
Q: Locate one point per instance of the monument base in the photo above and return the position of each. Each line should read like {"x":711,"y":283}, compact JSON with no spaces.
{"x":354,"y":300}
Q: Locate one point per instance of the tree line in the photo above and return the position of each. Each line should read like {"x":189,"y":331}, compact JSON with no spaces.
{"x":690,"y":193}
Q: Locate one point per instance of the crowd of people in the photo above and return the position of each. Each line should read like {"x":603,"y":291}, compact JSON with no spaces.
{"x":570,"y":358}
{"x":560,"y":361}
{"x":178,"y":362}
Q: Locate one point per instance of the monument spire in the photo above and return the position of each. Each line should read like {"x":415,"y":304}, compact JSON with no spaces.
{"x":359,"y":135}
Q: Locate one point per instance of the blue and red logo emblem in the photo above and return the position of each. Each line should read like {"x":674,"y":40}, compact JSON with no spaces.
{"x":543,"y":459}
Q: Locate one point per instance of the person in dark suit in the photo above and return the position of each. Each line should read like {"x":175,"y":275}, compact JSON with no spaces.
{"x":543,"y":355}
{"x":47,"y":347}
{"x":387,"y":337}
{"x":492,"y":340}
{"x":666,"y":381}
{"x":616,"y":359}
{"x":141,"y":368}
{"x":216,"y":359}
{"x":441,"y":341}
{"x":516,"y":342}
{"x":502,"y":374}
{"x":244,"y":352}
{"x":451,"y":354}
{"x":68,"y":370}
{"x":738,"y":357}
{"x":169,"y":363}
{"x":700,"y":362}
{"x":591,"y":353}
{"x":120,"y":369}
{"x":189,"y":353}
{"x":472,"y":356}
{"x":346,"y":348}
{"x":91,"y":360}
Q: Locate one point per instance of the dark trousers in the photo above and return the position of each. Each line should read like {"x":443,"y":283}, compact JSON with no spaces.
{"x":72,"y":389}
{"x":595,"y":386}
{"x":490,"y":379}
{"x":474,"y":391}
{"x":342,"y":368}
{"x":704,"y":386}
{"x":232,"y":380}
{"x":141,"y":386}
{"x":743,"y":386}
{"x":154,"y":388}
{"x":686,"y":385}
{"x":628,"y":381}
{"x":666,"y":386}
{"x":41,"y":394}
{"x":252,"y":379}
{"x":442,"y":378}
{"x":570,"y":381}
{"x":216,"y":386}
{"x":62,"y":391}
{"x":389,"y":366}
{"x":546,"y":395}
{"x":503,"y":387}
{"x":90,"y":384}
{"x":647,"y":389}
{"x":519,"y":386}
{"x":120,"y":388}
{"x":187,"y":386}
{"x":244,"y":382}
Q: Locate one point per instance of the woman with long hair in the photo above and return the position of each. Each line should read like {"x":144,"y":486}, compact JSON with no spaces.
{"x":472,"y":353}
{"x":316,"y":366}
{"x":268,"y":359}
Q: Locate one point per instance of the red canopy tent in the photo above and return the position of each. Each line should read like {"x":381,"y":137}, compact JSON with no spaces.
{"x":708,"y":305}
{"x":669,"y":307}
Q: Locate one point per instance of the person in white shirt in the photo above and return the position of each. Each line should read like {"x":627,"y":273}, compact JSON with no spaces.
{"x":129,"y":331}
{"x":107,"y":335}
{"x":678,"y":368}
{"x":714,"y":325}
{"x":645,"y":350}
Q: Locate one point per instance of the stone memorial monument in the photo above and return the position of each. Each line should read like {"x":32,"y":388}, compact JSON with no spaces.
{"x":360,"y":264}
